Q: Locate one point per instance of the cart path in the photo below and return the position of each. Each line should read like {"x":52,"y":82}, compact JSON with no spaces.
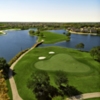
{"x":85,"y":96}
{"x":15,"y":94}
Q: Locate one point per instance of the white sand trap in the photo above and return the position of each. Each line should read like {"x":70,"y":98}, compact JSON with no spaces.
{"x":51,"y":52}
{"x":41,"y":58}
{"x":42,"y":40}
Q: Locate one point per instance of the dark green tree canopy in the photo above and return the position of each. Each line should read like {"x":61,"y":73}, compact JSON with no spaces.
{"x":38,"y":78}
{"x":68,"y":34}
{"x":80,"y":46}
{"x":61,"y":78}
{"x":95,"y":53}
{"x":39,"y":84}
{"x":32,"y":32}
{"x":2,"y":63}
{"x":4,"y":67}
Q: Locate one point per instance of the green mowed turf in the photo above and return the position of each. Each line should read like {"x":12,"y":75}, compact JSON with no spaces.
{"x":85,"y":81}
{"x":63,"y":62}
{"x":51,"y":37}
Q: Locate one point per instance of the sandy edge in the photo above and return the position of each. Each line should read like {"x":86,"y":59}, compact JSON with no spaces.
{"x":3,"y":32}
{"x":82,"y":33}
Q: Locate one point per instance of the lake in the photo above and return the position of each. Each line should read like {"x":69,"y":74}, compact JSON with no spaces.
{"x":89,"y":40}
{"x":16,"y":41}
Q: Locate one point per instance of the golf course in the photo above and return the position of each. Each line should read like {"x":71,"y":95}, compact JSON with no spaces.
{"x":81,"y":70}
{"x":50,"y":50}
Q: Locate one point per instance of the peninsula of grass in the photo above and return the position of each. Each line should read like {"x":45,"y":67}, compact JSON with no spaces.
{"x":84,"y":77}
{"x":1,"y":33}
{"x":50,"y":37}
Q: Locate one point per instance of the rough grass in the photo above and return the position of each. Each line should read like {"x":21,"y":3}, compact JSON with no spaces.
{"x":3,"y":88}
{"x":62,"y":62}
{"x":9,"y":89}
{"x":93,"y":99}
{"x":84,"y":82}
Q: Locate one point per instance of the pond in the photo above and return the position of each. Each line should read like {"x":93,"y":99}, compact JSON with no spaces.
{"x":16,"y":41}
{"x":88,"y":40}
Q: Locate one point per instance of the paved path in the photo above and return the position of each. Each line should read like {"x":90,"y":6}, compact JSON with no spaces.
{"x":11,"y":78}
{"x":85,"y":96}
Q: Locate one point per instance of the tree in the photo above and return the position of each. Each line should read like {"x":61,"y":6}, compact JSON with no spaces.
{"x":95,"y":53}
{"x":2,"y":63}
{"x":39,"y":83}
{"x":32,"y":32}
{"x":64,"y":33}
{"x":4,"y":66}
{"x":80,"y":46}
{"x":3,"y":88}
{"x":68,"y":34}
{"x":65,"y":89}
{"x":38,"y":32}
{"x":61,"y":79}
{"x":42,"y":35}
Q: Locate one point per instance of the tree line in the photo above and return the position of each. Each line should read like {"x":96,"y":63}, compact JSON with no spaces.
{"x":47,"y":26}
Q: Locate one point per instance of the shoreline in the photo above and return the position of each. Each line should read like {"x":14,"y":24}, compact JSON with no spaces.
{"x":12,"y":29}
{"x":2,"y":32}
{"x":73,"y":32}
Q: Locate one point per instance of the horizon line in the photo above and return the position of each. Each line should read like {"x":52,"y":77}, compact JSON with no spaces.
{"x":45,"y":22}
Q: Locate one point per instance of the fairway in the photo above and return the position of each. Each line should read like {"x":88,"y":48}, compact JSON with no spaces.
{"x":62,"y":62}
{"x":86,"y":75}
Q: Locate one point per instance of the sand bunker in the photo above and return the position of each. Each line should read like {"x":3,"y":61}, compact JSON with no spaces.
{"x":51,"y":52}
{"x":41,"y":58}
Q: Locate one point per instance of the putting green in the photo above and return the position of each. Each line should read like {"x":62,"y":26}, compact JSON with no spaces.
{"x":62,"y":62}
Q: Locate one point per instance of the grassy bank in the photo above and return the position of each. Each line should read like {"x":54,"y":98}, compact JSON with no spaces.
{"x":2,"y":32}
{"x":84,"y":81}
{"x":16,"y":57}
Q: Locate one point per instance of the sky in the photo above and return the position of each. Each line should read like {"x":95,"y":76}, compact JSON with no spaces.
{"x":49,"y":10}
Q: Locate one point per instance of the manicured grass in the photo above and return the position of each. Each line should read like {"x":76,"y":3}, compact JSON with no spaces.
{"x":62,"y":62}
{"x":84,"y":82}
{"x":50,"y":37}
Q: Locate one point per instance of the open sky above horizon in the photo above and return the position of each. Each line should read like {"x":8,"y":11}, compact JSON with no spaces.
{"x":49,"y":10}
